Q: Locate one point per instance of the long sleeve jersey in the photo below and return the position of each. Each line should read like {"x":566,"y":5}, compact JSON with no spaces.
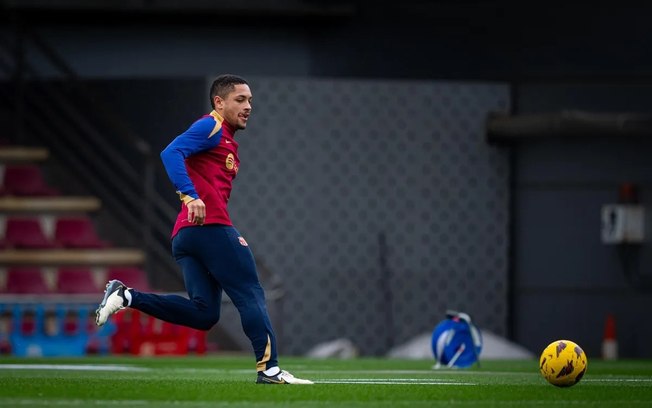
{"x":202,"y":163}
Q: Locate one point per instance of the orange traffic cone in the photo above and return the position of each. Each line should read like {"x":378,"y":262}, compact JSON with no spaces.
{"x":609,"y":342}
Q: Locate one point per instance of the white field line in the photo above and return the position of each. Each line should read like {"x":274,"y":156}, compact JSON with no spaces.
{"x":89,"y":367}
{"x":249,"y":371}
{"x":17,"y":402}
{"x":356,"y":372}
{"x":390,"y":381}
{"x":72,"y":367}
{"x":617,"y":380}
{"x":49,"y":402}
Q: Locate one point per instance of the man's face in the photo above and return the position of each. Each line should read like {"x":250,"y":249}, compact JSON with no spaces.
{"x":236,"y":107}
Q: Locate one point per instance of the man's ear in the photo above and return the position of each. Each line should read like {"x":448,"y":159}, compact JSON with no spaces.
{"x":218,"y":102}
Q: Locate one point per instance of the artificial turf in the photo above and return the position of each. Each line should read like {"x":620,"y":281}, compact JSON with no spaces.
{"x":228,"y":381}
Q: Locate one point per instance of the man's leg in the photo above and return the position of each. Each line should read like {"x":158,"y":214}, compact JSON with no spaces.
{"x":236,"y":272}
{"x":202,"y":309}
{"x":231,"y":263}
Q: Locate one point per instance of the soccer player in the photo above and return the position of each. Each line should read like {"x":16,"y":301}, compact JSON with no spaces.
{"x":202,"y":163}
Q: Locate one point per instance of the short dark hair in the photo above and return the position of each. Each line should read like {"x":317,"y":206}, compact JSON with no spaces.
{"x":223,"y":85}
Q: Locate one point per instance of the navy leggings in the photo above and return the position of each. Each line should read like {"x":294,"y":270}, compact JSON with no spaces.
{"x":215,"y":258}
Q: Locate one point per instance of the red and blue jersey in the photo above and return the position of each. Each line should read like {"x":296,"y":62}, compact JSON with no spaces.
{"x":202,"y":163}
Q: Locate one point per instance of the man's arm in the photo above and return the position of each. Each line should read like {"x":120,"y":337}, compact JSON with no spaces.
{"x":199,"y":137}
{"x":202,"y":135}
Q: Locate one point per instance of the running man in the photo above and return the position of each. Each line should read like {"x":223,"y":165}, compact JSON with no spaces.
{"x":202,"y":163}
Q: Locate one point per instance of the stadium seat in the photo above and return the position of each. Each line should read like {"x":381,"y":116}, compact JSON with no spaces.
{"x":46,"y":330}
{"x":26,"y":180}
{"x":77,"y":232}
{"x":75,"y":280}
{"x":26,"y":280}
{"x":140,"y":334}
{"x":99,"y":338}
{"x":26,"y":323}
{"x":6,"y":322}
{"x":131,"y":276}
{"x":128,"y":329}
{"x":25,"y":233}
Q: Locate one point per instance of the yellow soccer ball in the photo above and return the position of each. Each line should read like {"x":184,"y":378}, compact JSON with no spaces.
{"x":563,"y":363}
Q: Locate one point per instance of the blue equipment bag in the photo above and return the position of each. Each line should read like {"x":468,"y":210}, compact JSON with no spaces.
{"x":456,"y":341}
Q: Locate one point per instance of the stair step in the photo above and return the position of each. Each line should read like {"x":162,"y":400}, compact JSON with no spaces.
{"x":55,"y":257}
{"x":23,"y":154}
{"x":73,"y":204}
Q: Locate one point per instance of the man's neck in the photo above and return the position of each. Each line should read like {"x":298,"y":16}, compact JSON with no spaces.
{"x":229,"y":128}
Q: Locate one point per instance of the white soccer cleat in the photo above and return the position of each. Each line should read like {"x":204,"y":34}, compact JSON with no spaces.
{"x":113,"y":301}
{"x":281,"y":378}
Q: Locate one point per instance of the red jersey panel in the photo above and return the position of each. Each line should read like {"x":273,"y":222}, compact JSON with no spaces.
{"x":202,"y":163}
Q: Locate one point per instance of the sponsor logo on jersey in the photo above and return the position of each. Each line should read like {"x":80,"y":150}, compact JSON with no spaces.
{"x":242,"y":241}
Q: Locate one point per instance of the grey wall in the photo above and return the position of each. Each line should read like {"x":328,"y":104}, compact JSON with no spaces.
{"x":567,"y":280}
{"x":328,"y":165}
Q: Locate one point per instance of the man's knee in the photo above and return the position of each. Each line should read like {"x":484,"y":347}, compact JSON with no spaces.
{"x":206,"y":319}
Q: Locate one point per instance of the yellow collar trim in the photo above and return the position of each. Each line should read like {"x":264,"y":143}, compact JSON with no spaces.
{"x":218,"y":123}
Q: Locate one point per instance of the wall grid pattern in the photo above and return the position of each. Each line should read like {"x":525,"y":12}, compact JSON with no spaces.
{"x":327,"y":166}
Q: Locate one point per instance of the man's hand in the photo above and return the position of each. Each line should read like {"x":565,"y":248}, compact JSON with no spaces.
{"x":196,"y":211}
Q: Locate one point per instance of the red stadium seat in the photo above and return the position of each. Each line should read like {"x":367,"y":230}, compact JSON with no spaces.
{"x":26,"y":280}
{"x":77,"y":232}
{"x":75,"y":280}
{"x":140,"y":334}
{"x":26,"y":180}
{"x":131,"y":276}
{"x":25,"y":233}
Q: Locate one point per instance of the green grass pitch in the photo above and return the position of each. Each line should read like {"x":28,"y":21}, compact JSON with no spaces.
{"x":228,"y":381}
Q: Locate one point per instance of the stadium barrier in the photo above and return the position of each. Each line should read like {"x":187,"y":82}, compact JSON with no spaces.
{"x":49,"y":330}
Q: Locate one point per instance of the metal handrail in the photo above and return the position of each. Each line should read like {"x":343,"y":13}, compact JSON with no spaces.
{"x":108,"y":173}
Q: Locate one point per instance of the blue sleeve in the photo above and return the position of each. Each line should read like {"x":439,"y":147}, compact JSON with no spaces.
{"x":200,"y":136}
